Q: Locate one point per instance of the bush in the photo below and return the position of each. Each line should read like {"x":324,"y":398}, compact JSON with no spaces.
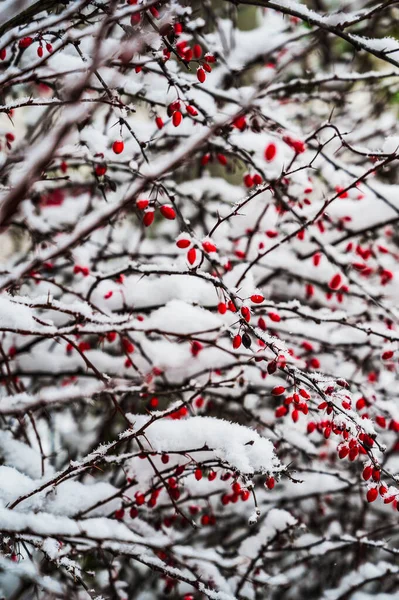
{"x":198,"y":305}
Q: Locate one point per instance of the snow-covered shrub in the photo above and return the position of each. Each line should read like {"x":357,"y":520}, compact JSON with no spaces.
{"x":199,"y":300}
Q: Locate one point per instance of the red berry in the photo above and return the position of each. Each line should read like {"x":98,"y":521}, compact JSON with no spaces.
{"x":296,"y":145}
{"x":198,"y":474}
{"x":201,"y":75}
{"x":381,"y":421}
{"x":222,"y":308}
{"x":316,"y":259}
{"x":236,"y":341}
{"x":25,"y":42}
{"x":119,"y":514}
{"x":155,"y":12}
{"x":278,"y":390}
{"x":159,"y":122}
{"x":133,"y":512}
{"x":183,"y":243}
{"x":270,"y":152}
{"x":209,"y":246}
{"x":177,"y":118}
{"x":270,"y":483}
{"x":335,"y":282}
{"x":148,"y":217}
{"x":257,"y":299}
{"x":118,"y":146}
{"x":372,"y":494}
{"x":275,"y":317}
{"x":192,"y":256}
{"x":191,"y":110}
{"x":178,"y":27}
{"x":142,"y":204}
{"x":246,"y":313}
{"x":100,"y":170}
{"x":3,"y":53}
{"x":236,"y":487}
{"x":168,"y":212}
{"x":197,"y":51}
{"x":248,"y":180}
{"x":367,"y":473}
{"x":281,"y":411}
{"x":221,"y":159}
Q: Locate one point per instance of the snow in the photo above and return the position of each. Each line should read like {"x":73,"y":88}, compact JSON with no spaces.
{"x":276,"y":521}
{"x":241,"y":448}
{"x":156,"y":370}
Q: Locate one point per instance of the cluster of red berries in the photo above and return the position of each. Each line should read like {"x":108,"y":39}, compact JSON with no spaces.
{"x":252,"y":180}
{"x":135,"y":18}
{"x":237,"y":494}
{"x":166,"y":210}
{"x":208,"y":157}
{"x":297,"y":402}
{"x":9,"y":139}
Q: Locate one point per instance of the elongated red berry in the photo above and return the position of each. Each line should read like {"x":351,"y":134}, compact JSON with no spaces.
{"x":372,"y":494}
{"x":168,"y":212}
{"x":197,"y":51}
{"x":281,"y":411}
{"x":209,"y":246}
{"x":25,"y":42}
{"x":177,"y":118}
{"x":381,"y":421}
{"x":3,"y":53}
{"x":335,"y":282}
{"x":148,"y":217}
{"x":296,"y":145}
{"x":118,"y":146}
{"x":222,"y":308}
{"x":270,"y":152}
{"x":159,"y":122}
{"x":274,"y":317}
{"x":191,"y":110}
{"x":248,"y":180}
{"x":246,"y":313}
{"x":192,"y":256}
{"x":183,"y":243}
{"x":198,"y":474}
{"x":257,"y":298}
{"x":278,"y":390}
{"x":142,"y":203}
{"x":237,"y":341}
{"x":201,"y":75}
{"x":367,"y":472}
